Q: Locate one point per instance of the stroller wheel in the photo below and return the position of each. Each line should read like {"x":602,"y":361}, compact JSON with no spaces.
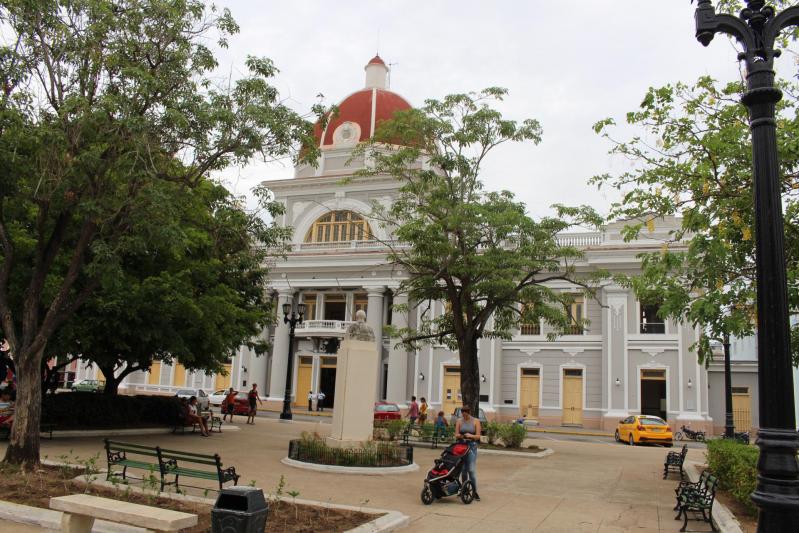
{"x":427,"y":495}
{"x":467,"y":492}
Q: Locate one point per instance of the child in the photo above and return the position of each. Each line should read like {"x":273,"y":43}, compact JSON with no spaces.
{"x":440,"y":425}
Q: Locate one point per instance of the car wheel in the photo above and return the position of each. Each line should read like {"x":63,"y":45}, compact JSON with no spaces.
{"x":617,"y":436}
{"x":467,"y":493}
{"x":631,"y":442}
{"x":427,"y":496}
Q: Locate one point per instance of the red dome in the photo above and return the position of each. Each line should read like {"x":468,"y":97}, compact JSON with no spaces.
{"x":357,"y":108}
{"x":376,"y":60}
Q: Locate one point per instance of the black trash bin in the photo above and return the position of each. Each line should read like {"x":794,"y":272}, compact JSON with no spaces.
{"x":239,"y":510}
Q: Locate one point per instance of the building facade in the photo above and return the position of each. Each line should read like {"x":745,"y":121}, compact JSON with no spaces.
{"x":625,"y":361}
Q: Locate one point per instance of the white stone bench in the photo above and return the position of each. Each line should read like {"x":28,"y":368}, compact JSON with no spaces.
{"x":80,"y":510}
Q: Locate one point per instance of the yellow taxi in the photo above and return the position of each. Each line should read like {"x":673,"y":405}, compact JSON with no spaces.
{"x":636,"y":429}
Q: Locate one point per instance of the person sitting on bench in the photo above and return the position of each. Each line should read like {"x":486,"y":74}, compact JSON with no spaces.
{"x":195,"y":418}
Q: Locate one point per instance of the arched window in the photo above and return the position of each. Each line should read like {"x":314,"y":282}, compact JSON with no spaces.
{"x":339,"y":226}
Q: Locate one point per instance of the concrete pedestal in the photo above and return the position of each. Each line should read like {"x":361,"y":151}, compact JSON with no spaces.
{"x":356,"y":366}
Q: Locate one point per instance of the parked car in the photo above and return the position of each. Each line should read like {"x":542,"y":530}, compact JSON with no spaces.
{"x":203,"y":403}
{"x":217,"y":397}
{"x":457,"y":414}
{"x":88,"y":385}
{"x":242,"y":406}
{"x":638,"y":429}
{"x":387,"y":411}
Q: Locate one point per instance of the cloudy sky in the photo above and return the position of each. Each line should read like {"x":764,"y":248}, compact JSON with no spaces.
{"x":567,"y":63}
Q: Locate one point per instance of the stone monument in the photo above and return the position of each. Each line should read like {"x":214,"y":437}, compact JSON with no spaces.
{"x":356,"y":388}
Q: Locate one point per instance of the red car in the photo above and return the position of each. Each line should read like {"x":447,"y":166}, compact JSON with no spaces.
{"x":242,"y":406}
{"x":387,"y":411}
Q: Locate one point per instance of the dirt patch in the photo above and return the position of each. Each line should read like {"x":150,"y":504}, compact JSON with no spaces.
{"x":36,"y":489}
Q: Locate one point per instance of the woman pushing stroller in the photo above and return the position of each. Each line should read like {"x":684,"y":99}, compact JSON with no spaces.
{"x":468,"y":428}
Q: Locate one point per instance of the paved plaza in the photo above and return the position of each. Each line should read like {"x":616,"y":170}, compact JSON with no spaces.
{"x":584,"y":486}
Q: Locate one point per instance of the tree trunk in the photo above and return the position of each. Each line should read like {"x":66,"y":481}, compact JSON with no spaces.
{"x":111,"y":380}
{"x":23,"y":446}
{"x":470,"y":374}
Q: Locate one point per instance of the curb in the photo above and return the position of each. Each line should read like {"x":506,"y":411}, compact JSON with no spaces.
{"x":77,"y":433}
{"x":390,"y":520}
{"x":723,"y":517}
{"x":538,"y":455}
{"x":362,"y":470}
{"x":567,"y":432}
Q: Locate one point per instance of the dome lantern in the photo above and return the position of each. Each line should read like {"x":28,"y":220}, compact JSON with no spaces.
{"x":376,"y":73}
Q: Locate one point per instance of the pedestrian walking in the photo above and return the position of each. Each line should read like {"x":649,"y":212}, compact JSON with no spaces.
{"x":320,"y":401}
{"x":311,"y":399}
{"x":229,"y":404}
{"x":440,"y":425}
{"x":253,"y":399}
{"x":468,"y":428}
{"x":413,"y":410}
{"x":422,"y":412}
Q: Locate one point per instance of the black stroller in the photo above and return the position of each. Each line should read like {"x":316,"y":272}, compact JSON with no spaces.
{"x":444,"y":478}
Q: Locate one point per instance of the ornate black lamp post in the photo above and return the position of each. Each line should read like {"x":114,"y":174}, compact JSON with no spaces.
{"x":729,"y":424}
{"x":292,"y":321}
{"x":757,"y":27}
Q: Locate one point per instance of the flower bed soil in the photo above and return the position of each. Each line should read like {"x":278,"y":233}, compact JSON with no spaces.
{"x":36,"y":489}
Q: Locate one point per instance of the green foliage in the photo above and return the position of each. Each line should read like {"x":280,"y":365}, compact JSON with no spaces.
{"x":735,"y":465}
{"x":312,"y":449}
{"x":475,"y":250}
{"x":84,"y":410}
{"x":692,"y":159}
{"x":395,"y":427}
{"x":492,"y":431}
{"x":512,"y":435}
{"x":105,"y":106}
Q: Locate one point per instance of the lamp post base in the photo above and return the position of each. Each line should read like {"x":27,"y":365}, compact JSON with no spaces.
{"x":286,"y":416}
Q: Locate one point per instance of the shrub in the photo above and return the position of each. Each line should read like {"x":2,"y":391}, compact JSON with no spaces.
{"x":86,"y":410}
{"x":492,"y":431}
{"x":735,"y":465}
{"x":394,"y":428}
{"x":512,"y":435}
{"x":312,"y":449}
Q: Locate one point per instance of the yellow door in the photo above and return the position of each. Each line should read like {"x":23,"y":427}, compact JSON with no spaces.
{"x":155,"y":373}
{"x":304,"y":371}
{"x":528,"y":392}
{"x":451,"y":390}
{"x":223,"y":379}
{"x":180,"y":376}
{"x":741,"y":408}
{"x":572,"y":397}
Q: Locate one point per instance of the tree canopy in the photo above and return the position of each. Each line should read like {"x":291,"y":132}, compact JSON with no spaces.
{"x":692,"y":159}
{"x":475,"y":250}
{"x":102,"y":102}
{"x":195,"y":298}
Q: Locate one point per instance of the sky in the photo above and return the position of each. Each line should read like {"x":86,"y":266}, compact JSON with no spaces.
{"x":566,"y":63}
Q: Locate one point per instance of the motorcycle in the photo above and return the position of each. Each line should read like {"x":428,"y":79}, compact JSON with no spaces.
{"x":740,"y":436}
{"x":685,"y":431}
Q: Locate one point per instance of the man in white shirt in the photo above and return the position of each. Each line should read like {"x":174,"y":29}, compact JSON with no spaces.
{"x":320,"y":398}
{"x":311,"y":400}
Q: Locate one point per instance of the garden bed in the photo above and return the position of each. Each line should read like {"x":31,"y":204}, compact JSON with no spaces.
{"x":529,"y":449}
{"x":36,"y":489}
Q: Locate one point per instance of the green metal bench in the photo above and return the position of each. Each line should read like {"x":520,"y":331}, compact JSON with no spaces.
{"x":172,"y":463}
{"x":145,"y":457}
{"x":697,"y":498}
{"x":427,"y":434}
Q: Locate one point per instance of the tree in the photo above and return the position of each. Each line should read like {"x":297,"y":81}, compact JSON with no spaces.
{"x":693,"y":161}
{"x":102,"y":101}
{"x":473,"y":249}
{"x":195,"y":298}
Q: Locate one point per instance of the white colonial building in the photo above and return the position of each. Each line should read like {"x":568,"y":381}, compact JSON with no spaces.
{"x":626,"y":361}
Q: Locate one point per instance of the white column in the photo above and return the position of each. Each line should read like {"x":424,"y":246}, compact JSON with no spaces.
{"x":280,"y":353}
{"x":349,"y":299}
{"x":397,"y":357}
{"x":374,"y":317}
{"x":320,"y":307}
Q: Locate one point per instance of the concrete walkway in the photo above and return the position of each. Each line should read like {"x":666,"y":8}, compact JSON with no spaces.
{"x":582,"y":487}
